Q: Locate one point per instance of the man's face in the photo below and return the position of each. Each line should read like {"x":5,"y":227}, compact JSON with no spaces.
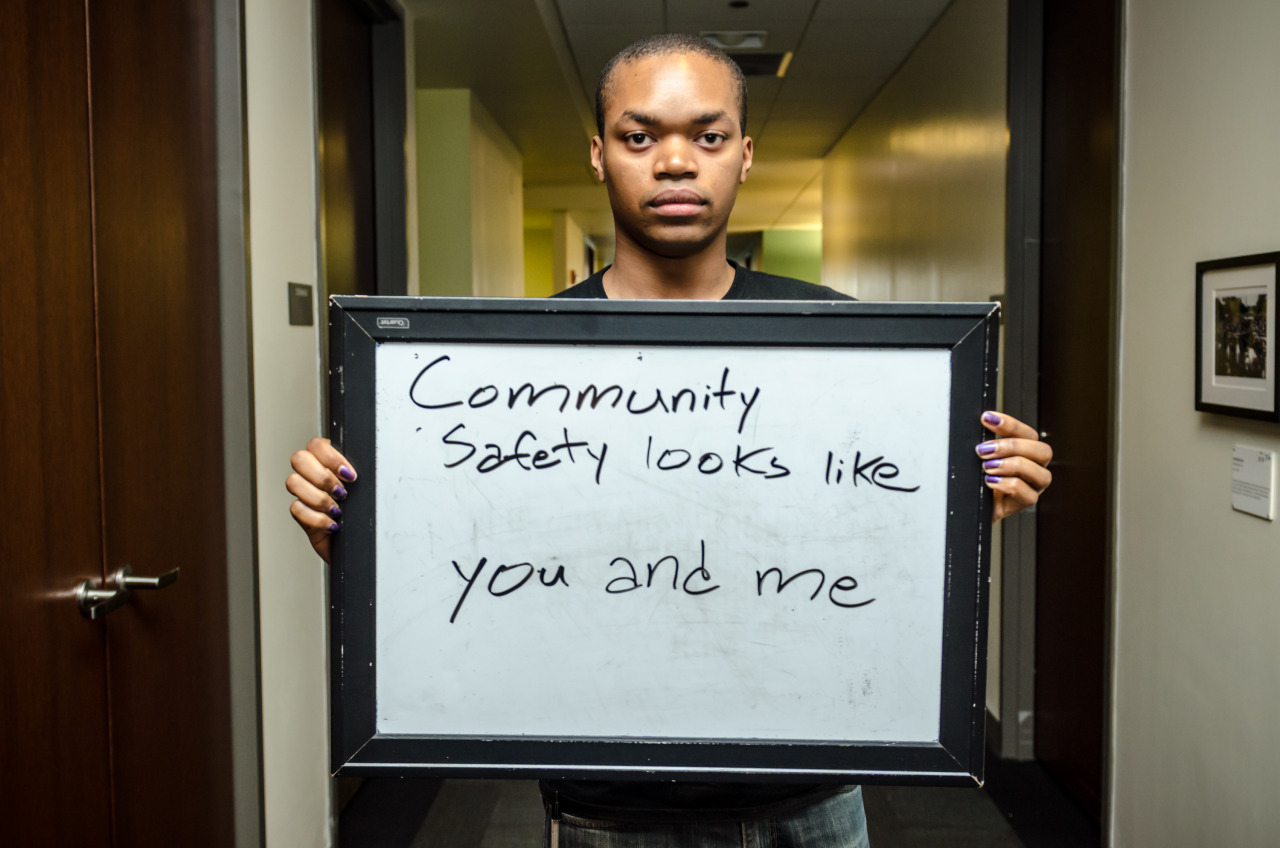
{"x":672,"y":155}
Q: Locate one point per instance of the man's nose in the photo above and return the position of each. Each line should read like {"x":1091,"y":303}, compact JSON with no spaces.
{"x":675,"y":159}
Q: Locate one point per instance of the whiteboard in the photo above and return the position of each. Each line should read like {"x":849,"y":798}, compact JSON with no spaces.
{"x":657,"y":532}
{"x":623,"y":540}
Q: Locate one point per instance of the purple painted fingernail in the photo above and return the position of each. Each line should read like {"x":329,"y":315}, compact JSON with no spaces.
{"x":335,"y":511}
{"x":990,"y":463}
{"x":991,"y":418}
{"x":986,"y":448}
{"x":991,"y":479}
{"x":346,"y":473}
{"x":339,"y":492}
{"x":334,"y":528}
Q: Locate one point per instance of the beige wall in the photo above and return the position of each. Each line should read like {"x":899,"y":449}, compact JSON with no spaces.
{"x":443,"y":162}
{"x":913,"y":194}
{"x":286,"y":373}
{"x":792,"y":253}
{"x":568,"y":251}
{"x":497,"y":209}
{"x":1197,"y":641}
{"x":470,"y":201}
{"x":538,"y":261}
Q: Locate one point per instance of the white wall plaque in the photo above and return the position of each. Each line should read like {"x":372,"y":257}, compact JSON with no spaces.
{"x":1252,"y":479}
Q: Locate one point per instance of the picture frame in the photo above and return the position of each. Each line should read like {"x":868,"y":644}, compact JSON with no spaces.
{"x":1236,"y":336}
{"x":393,"y":370}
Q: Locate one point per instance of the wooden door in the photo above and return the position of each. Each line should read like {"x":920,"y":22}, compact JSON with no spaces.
{"x":117,"y":731}
{"x":53,"y":670}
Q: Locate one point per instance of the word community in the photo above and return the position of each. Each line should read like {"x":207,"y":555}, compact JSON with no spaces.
{"x":589,"y":397}
{"x":621,"y":576}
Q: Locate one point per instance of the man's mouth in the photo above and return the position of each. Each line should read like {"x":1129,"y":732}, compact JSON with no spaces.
{"x":677,"y":203}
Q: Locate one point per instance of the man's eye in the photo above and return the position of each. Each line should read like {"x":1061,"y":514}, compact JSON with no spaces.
{"x":636,"y":138}
{"x":713,"y":139}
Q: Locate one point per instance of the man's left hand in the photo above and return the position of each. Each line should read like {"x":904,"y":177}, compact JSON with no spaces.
{"x":1014,"y":464}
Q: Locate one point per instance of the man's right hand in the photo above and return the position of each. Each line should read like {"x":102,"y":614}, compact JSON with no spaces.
{"x":318,"y":481}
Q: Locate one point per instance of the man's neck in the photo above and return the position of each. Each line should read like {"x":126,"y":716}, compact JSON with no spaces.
{"x":641,"y":274}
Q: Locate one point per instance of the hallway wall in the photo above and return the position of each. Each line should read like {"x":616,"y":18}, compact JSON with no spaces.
{"x":1197,"y":638}
{"x":470,"y":199}
{"x":913,"y":195}
{"x":792,"y":253}
{"x":283,"y":248}
{"x":568,"y":254}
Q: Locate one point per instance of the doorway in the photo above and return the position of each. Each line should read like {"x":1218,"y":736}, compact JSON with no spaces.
{"x":118,"y":730}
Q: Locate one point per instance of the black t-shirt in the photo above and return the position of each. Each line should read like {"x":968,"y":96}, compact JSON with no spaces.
{"x":642,"y":801}
{"x":747,"y":285}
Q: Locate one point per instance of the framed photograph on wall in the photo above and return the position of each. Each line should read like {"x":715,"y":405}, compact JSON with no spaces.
{"x":1236,"y":336}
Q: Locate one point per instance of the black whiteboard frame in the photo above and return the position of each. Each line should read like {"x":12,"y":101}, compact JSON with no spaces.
{"x":358,"y":325}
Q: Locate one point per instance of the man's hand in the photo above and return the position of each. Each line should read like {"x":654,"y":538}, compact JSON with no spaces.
{"x":318,"y":482}
{"x":1015,"y":464}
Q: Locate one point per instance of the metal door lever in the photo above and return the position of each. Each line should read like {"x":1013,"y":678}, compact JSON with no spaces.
{"x":96,"y":600}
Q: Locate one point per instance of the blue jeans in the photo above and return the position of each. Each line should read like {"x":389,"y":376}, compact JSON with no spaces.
{"x":837,"y":822}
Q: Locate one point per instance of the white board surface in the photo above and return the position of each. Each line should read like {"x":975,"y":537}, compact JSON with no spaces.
{"x":663,"y":618}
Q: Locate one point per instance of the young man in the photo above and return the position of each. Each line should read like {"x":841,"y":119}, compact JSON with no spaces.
{"x":672,"y":151}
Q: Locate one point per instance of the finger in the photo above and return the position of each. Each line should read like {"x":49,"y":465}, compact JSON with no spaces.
{"x":1011,"y":495}
{"x":1035,"y":475}
{"x":1037,"y":451}
{"x":312,"y":520}
{"x":315,"y":498}
{"x":309,"y":467}
{"x":330,"y":458}
{"x":318,"y":527}
{"x":1006,"y":426}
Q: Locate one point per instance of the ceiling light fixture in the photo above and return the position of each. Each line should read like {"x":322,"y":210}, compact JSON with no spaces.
{"x":736,"y":39}
{"x":784,"y":64}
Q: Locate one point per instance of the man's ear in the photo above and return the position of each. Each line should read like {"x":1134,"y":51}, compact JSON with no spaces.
{"x":746,"y":158}
{"x":597,"y":157}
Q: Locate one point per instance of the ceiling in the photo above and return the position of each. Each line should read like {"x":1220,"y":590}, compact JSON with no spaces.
{"x":534,"y":63}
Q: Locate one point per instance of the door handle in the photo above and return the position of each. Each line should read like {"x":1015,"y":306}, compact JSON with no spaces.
{"x":96,"y":599}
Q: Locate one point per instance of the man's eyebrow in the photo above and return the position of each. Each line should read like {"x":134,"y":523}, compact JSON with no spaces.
{"x":649,"y":120}
{"x":639,"y":118}
{"x":710,"y":117}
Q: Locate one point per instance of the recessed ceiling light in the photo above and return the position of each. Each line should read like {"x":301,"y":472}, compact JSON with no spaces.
{"x":736,"y":39}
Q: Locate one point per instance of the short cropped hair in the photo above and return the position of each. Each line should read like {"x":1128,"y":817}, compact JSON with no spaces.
{"x":670,"y":44}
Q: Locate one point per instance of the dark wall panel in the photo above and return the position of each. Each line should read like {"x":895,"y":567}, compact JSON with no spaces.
{"x":1076,"y":345}
{"x":346,"y":148}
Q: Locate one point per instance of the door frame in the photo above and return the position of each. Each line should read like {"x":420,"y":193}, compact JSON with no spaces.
{"x":1012,"y":736}
{"x":239,"y":475}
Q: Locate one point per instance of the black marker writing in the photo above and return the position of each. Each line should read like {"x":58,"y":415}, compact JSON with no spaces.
{"x":501,"y":585}
{"x":525,"y":452}
{"x":630,"y":581}
{"x":560,"y":396}
{"x":873,"y":471}
{"x":841,"y":584}
{"x":750,"y":461}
